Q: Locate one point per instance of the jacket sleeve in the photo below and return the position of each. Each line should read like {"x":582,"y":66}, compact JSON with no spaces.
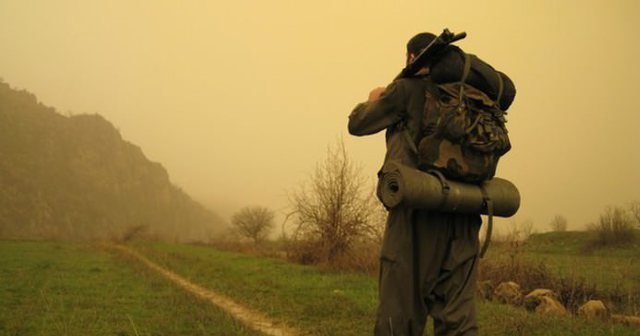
{"x":372,"y":117}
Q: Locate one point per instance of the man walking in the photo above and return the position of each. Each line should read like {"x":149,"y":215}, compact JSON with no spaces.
{"x":428,"y":261}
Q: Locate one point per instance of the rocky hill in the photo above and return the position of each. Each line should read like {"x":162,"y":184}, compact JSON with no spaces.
{"x":74,"y":177}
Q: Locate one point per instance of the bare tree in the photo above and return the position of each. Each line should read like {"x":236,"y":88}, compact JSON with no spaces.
{"x":634,"y":208}
{"x":615,"y":227}
{"x":336,"y":208}
{"x":559,"y":223}
{"x":253,"y":222}
{"x":378,"y":222}
{"x":526,"y":229}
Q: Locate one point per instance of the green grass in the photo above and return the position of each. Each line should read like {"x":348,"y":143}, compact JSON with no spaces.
{"x":499,"y":319}
{"x":325,"y":303}
{"x":567,"y":254}
{"x":51,"y":288}
{"x":330,"y":303}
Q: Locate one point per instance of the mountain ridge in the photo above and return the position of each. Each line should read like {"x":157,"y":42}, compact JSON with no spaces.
{"x":75,"y":177}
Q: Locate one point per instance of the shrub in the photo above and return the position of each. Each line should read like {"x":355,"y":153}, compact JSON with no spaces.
{"x":135,"y":232}
{"x":634,"y":208}
{"x":558,"y":223}
{"x":572,"y":292}
{"x":335,"y":210}
{"x":614,"y":228}
{"x":253,"y":222}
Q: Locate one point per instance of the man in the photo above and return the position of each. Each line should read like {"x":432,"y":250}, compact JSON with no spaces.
{"x":428,"y":261}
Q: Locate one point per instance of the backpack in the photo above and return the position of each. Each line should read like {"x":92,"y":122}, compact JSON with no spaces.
{"x":463,"y":130}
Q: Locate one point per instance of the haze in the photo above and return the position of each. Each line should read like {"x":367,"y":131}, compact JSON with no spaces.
{"x":240,"y":99}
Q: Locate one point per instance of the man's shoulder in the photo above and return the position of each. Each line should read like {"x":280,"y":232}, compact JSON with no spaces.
{"x":414,"y":81}
{"x":414,"y":84}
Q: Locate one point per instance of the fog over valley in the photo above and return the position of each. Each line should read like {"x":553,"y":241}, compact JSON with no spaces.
{"x":239,"y":101}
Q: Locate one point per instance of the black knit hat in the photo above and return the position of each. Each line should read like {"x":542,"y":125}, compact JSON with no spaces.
{"x":419,"y":42}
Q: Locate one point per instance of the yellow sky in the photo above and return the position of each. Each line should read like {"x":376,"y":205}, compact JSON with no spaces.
{"x":239,"y":99}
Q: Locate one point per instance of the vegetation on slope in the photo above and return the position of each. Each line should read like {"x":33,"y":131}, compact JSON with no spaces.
{"x":75,"y":177}
{"x":568,"y":263}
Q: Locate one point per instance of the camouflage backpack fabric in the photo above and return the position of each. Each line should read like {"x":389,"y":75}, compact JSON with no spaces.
{"x":463,"y":130}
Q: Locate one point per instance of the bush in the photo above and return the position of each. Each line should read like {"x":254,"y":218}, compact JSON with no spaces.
{"x":253,"y":222}
{"x":559,"y":223}
{"x":334,"y":211}
{"x":131,"y":233}
{"x":634,"y":208}
{"x":572,"y":292}
{"x":614,"y":228}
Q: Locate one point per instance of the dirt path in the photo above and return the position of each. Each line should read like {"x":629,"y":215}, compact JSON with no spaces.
{"x":253,"y":319}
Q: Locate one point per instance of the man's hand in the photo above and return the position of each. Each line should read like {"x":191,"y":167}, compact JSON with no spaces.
{"x":375,"y":93}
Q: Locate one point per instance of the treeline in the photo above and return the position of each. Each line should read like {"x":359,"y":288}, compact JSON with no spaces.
{"x":76,"y":178}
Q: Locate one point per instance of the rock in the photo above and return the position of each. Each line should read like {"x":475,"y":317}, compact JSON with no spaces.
{"x":533,"y":299}
{"x":594,"y":309}
{"x":632,"y":321}
{"x":508,"y":292}
{"x":551,"y":306}
{"x":484,"y":289}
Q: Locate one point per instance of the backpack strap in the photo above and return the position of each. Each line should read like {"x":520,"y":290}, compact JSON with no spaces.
{"x":465,"y":73}
{"x":433,"y":89}
{"x":443,"y":183}
{"x":488,"y":203}
{"x":409,"y":140}
{"x":500,"y":90}
{"x":467,"y":68}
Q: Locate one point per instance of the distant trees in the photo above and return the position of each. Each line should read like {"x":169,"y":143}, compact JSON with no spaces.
{"x":614,"y":227}
{"x":335,"y":209}
{"x":559,"y":223}
{"x":515,"y":233}
{"x":253,"y":222}
{"x":634,"y":208}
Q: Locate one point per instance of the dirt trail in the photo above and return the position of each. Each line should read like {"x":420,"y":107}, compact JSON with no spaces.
{"x":253,"y":319}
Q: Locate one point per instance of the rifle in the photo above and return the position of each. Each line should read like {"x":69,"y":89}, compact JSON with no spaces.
{"x":436,"y":46}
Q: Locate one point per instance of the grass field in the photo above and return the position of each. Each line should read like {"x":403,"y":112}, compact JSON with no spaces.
{"x":49,"y":288}
{"x":328,"y":303}
{"x":569,"y":254}
{"x":612,"y":273}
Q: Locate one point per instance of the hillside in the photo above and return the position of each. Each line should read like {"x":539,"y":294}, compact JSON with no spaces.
{"x":76,"y":178}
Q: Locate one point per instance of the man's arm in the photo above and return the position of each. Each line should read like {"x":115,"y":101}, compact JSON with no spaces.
{"x":384,"y":108}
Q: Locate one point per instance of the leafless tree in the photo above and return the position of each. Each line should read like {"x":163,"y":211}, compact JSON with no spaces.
{"x":615,"y":227}
{"x":526,"y":229}
{"x":253,"y":222}
{"x":336,"y":207}
{"x":559,"y":223}
{"x":634,"y":208}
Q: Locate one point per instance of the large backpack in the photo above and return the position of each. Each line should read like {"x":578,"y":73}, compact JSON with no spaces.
{"x":463,"y":130}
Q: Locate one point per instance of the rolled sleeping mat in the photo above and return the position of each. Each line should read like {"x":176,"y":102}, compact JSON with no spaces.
{"x":402,"y":185}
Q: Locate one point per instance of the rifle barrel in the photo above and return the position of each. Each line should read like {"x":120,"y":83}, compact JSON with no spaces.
{"x":438,"y":44}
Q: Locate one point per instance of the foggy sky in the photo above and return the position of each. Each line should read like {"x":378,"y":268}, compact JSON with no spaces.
{"x":240,"y":99}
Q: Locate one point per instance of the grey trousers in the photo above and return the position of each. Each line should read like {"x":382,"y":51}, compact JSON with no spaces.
{"x":428,"y":266}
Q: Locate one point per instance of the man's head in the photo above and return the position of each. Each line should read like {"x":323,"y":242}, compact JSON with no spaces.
{"x":417,"y":43}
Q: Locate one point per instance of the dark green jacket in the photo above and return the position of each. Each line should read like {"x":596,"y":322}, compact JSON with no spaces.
{"x":400,"y":107}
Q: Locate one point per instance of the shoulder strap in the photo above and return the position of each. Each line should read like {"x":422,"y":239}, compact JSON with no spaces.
{"x":467,"y":68}
{"x":500,"y":90}
{"x":432,"y":88}
{"x":465,"y":73}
